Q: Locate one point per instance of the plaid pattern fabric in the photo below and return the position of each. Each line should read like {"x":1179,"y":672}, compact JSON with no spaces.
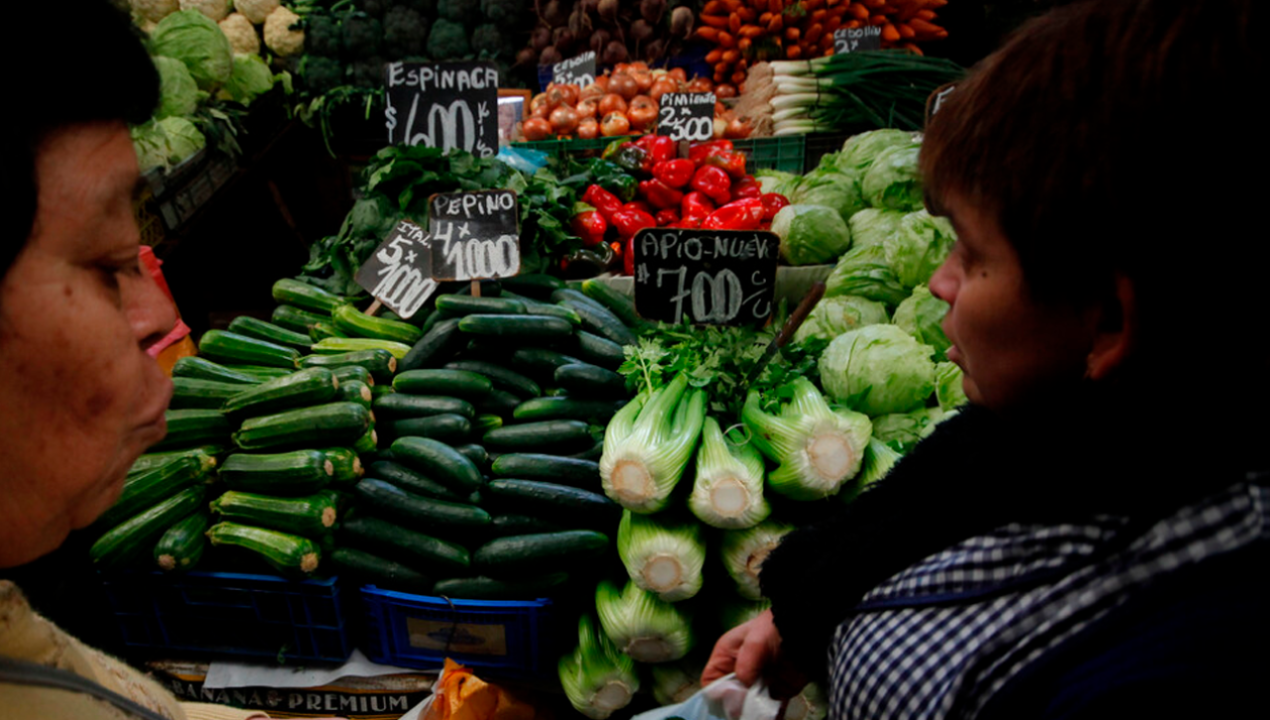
{"x":939,"y":639}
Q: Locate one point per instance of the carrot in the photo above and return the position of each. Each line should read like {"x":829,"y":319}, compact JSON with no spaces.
{"x":721,"y":70}
{"x":793,"y":52}
{"x":726,"y":40}
{"x":776,"y":7}
{"x":926,"y":15}
{"x":717,"y":21}
{"x":858,"y":11}
{"x":792,"y":34}
{"x":819,"y":16}
{"x":732,"y":5}
{"x":813,"y":34}
{"x":873,"y":4}
{"x":758,"y":5}
{"x":923,"y":27}
{"x":764,"y":19}
{"x":810,"y":5}
{"x":707,"y":33}
{"x":750,"y":32}
{"x":776,"y":24}
{"x":734,"y":23}
{"x":878,"y":20}
{"x":889,"y":33}
{"x":906,"y":32}
{"x":730,"y":57}
{"x":852,"y":25}
{"x":746,"y":14}
{"x":738,"y":78}
{"x":743,"y":45}
{"x":832,"y":25}
{"x":714,"y":7}
{"x":714,"y":56}
{"x":935,"y":4}
{"x":826,"y":41}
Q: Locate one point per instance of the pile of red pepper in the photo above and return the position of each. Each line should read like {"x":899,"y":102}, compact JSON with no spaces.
{"x":709,"y":189}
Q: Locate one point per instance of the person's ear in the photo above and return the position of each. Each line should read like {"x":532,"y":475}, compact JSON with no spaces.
{"x":1117,"y":332}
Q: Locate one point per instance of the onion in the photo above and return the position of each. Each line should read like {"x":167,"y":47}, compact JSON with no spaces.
{"x":588,"y":108}
{"x":724,"y":90}
{"x":564,"y":120}
{"x":536,"y":129}
{"x":699,"y":85}
{"x":540,"y":101}
{"x":623,"y":85}
{"x":615,"y":123}
{"x":643,"y":80}
{"x":612,"y":103}
{"x":591,"y":92}
{"x":588,"y":128}
{"x":602,"y":82}
{"x":679,"y":74}
{"x":665,"y":84}
{"x":555,"y":96}
{"x":641,"y":102}
{"x":642,"y":113}
{"x":720,"y":128}
{"x":570,"y":94}
{"x":737,"y":129}
{"x":637,"y":66}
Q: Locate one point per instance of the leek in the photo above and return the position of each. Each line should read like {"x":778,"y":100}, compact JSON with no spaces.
{"x":662,"y":556}
{"x":648,"y":444}
{"x":728,"y":491}
{"x":744,"y":552}
{"x":818,"y":449}
{"x":597,"y":678}
{"x":675,"y":682}
{"x":642,"y":626}
{"x":811,"y":703}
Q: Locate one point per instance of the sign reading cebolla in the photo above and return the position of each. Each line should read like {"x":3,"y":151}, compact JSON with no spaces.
{"x":715,"y":277}
{"x":475,"y":235}
{"x":399,"y":273}
{"x":451,"y":106}
{"x":578,"y":70}
{"x":849,"y":40}
{"x":686,"y":116}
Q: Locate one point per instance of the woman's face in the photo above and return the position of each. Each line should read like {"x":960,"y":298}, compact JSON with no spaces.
{"x":81,"y":397}
{"x":1011,"y":349}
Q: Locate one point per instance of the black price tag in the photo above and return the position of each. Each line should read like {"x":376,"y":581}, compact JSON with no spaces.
{"x":399,"y":273}
{"x":849,"y":40}
{"x":686,"y":116}
{"x":474,"y":235}
{"x":451,"y":106}
{"x":578,"y":70}
{"x":716,"y":277}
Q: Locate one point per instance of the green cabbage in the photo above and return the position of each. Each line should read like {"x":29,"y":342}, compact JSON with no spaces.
{"x":948,"y":386}
{"x":165,"y":143}
{"x":873,"y":226}
{"x":811,"y":234}
{"x":778,"y":181}
{"x":878,"y":369}
{"x":189,"y":36}
{"x":919,"y":248}
{"x":830,"y":189}
{"x":834,"y":316}
{"x":893,"y":181}
{"x":865,"y":272}
{"x":901,"y":431}
{"x":251,"y":78}
{"x":921,"y":316}
{"x":859,"y":151}
{"x":178,"y":93}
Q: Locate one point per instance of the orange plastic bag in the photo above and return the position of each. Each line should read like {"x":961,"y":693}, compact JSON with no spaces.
{"x":460,"y":695}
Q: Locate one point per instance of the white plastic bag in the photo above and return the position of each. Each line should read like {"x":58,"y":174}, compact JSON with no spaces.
{"x":723,"y":699}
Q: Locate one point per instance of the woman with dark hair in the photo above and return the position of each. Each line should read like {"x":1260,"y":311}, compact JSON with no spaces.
{"x":1088,"y":537}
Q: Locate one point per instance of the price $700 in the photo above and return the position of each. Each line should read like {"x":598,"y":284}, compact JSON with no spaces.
{"x":712,"y":297}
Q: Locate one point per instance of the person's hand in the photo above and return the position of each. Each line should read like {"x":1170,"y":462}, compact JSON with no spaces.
{"x":752,"y":650}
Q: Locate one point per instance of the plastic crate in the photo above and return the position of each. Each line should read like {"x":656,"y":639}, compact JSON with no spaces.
{"x":509,"y":638}
{"x":576,"y":149}
{"x":819,"y":145}
{"x":773,"y":153}
{"x":214,"y":614}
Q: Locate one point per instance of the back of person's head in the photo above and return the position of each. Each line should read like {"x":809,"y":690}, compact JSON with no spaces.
{"x":1122,"y":136}
{"x":91,"y":67}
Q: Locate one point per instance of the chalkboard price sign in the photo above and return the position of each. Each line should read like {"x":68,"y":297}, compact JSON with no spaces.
{"x":849,"y":40}
{"x":451,"y":106}
{"x":715,"y":277}
{"x":399,"y":273}
{"x":686,"y":116}
{"x":578,"y":70}
{"x":474,"y":235}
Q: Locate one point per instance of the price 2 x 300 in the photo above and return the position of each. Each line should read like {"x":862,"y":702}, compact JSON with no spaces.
{"x":683,"y":126}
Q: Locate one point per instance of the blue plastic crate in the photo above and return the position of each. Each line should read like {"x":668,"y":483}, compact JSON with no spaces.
{"x":509,"y":638}
{"x":215,"y":614}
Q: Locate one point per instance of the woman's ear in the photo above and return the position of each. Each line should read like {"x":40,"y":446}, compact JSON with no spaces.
{"x":1117,"y":332}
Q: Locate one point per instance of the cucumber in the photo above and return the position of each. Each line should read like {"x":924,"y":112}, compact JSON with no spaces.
{"x":552,"y":500}
{"x":311,"y":386}
{"x":597,"y":319}
{"x":324,"y":329}
{"x":338,"y":345}
{"x":187,"y":428}
{"x":308,"y":516}
{"x":560,"y":311}
{"x":534,"y":285}
{"x":345,"y":464}
{"x":227,"y":347}
{"x":403,"y":405}
{"x":269,"y":332}
{"x":147,"y":489}
{"x":487,"y":588}
{"x":540,"y":361}
{"x":380,"y":363}
{"x":390,"y":501}
{"x":598,"y":351}
{"x":438,"y":461}
{"x":567,"y":408}
{"x":301,"y":321}
{"x":204,"y":369}
{"x":475,"y":453}
{"x":303,"y":295}
{"x":372,"y":569}
{"x":513,"y":524}
{"x":447,"y":427}
{"x":415,"y":482}
{"x":331,"y":424}
{"x":501,"y":378}
{"x":358,"y":324}
{"x":205,"y":455}
{"x":261,"y":372}
{"x":182,"y":545}
{"x":591,"y":381}
{"x":452,"y":383}
{"x":485,"y":423}
{"x":620,"y":305}
{"x":439,"y":343}
{"x":355,"y":391}
{"x":353,"y":372}
{"x":398,"y":543}
{"x":455,"y":305}
{"x":289,"y":554}
{"x":299,"y":472}
{"x":544,"y":436}
{"x":378,"y":391}
{"x":583,"y":474}
{"x":595,"y":452}
{"x":368,"y":442}
{"x":539,"y":553}
{"x":516,"y":327}
{"x":498,"y":402}
{"x":134,"y":536}
{"x":568,"y":294}
{"x":193,"y":393}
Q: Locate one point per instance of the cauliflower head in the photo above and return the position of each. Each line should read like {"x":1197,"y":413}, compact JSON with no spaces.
{"x":241,"y":33}
{"x":216,"y":10}
{"x":152,"y":11}
{"x":256,"y":10}
{"x":279,"y":37}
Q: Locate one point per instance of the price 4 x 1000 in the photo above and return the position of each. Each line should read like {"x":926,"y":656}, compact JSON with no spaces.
{"x":715,"y":297}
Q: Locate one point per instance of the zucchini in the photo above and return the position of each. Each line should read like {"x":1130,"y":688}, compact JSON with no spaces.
{"x":597,"y":319}
{"x":501,"y":378}
{"x":192,"y":393}
{"x":324,"y":329}
{"x":413,"y":481}
{"x":301,"y":321}
{"x":300,"y":472}
{"x":287,"y":553}
{"x":372,"y":569}
{"x":534,"y":285}
{"x":438,"y":344}
{"x":487,"y":588}
{"x":380,"y":363}
{"x":131,"y":538}
{"x":303,"y":295}
{"x":552,"y":500}
{"x":267,"y":331}
{"x":398,"y":543}
{"x":403,"y":405}
{"x":446,"y":427}
{"x":204,"y":369}
{"x":475,"y":453}
{"x":187,"y":428}
{"x":346,"y":466}
{"x":539,"y":553}
{"x":390,"y":501}
{"x":560,"y":311}
{"x":355,"y":391}
{"x":311,"y":386}
{"x":308,"y":516}
{"x":147,"y":489}
{"x":467,"y":305}
{"x":331,"y":424}
{"x":617,"y":303}
{"x":591,"y":381}
{"x":182,"y":545}
{"x":567,"y":408}
{"x":368,"y":442}
{"x":513,"y":524}
{"x":598,"y":351}
{"x":563,"y":436}
{"x":439,"y":461}
{"x":513,"y":327}
{"x":228,"y":347}
{"x":452,"y":383}
{"x":358,"y":324}
{"x":378,"y":391}
{"x":205,"y":455}
{"x":345,"y":373}
{"x":337,"y":345}
{"x":540,"y":361}
{"x":583,"y":474}
{"x":498,"y":402}
{"x":261,"y":372}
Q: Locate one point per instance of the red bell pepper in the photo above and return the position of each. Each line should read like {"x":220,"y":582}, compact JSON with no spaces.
{"x":661,"y":149}
{"x":667,"y":217}
{"x":629,"y":221}
{"x":589,"y":225}
{"x":628,"y":256}
{"x":733,"y":163}
{"x":602,"y":200}
{"x":696,"y":205}
{"x":641,"y":206}
{"x":746,"y":187}
{"x":700,"y":151}
{"x":659,"y":194}
{"x":675,"y":173}
{"x":772,"y":204}
{"x":714,"y":182}
{"x":744,"y":214}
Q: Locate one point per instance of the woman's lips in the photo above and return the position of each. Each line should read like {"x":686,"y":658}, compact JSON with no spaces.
{"x":954,"y":356}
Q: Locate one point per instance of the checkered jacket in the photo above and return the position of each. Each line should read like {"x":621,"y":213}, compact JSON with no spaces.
{"x":942,"y":638}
